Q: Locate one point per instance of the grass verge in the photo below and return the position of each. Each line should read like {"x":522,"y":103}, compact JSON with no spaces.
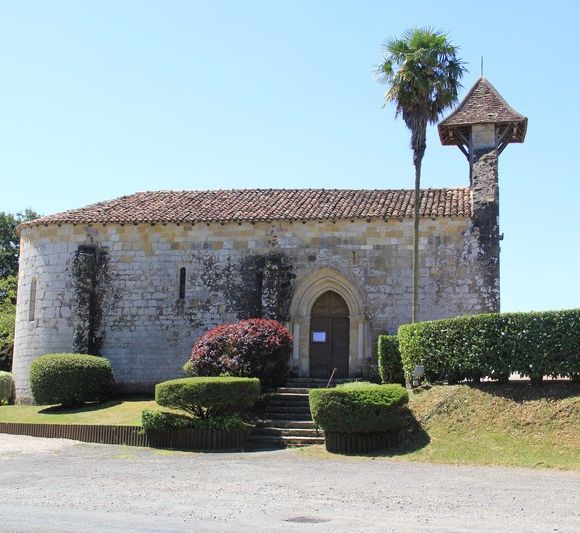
{"x":113,"y":413}
{"x":491,"y":424}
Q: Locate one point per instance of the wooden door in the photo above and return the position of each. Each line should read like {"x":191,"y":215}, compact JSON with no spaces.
{"x":329,"y":336}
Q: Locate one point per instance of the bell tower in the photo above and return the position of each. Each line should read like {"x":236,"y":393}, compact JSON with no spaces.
{"x":481,"y":127}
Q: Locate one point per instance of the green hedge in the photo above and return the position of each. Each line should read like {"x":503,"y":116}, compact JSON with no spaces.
{"x":5,"y":387}
{"x":390,"y":365}
{"x":495,"y":345}
{"x":161,"y":421}
{"x":224,"y":423}
{"x":70,"y":379}
{"x":209,"y":397}
{"x":358,"y":408}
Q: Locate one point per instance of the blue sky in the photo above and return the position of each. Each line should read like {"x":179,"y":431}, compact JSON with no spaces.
{"x":101,"y":99}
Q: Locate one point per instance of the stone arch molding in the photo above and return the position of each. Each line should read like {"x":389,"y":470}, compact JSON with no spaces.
{"x":309,"y":289}
{"x":321,"y":281}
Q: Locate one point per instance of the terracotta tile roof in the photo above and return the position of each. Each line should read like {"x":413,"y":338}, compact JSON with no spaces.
{"x":483,"y":104}
{"x":265,"y":205}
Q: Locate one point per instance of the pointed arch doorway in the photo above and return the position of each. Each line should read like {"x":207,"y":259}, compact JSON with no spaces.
{"x":329,"y":336}
{"x":309,"y":288}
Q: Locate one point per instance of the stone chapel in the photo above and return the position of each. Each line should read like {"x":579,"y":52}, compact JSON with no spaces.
{"x":139,"y":278}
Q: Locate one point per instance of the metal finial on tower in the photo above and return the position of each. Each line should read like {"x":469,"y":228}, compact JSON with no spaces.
{"x":482,"y":66}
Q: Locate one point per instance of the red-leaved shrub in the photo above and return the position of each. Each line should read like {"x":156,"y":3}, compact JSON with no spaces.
{"x":256,"y":348}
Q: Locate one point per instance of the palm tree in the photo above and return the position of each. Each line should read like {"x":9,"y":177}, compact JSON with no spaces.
{"x":422,"y":72}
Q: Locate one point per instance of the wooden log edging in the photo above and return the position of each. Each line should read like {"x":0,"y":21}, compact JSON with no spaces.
{"x":361,"y":442}
{"x":183,"y":439}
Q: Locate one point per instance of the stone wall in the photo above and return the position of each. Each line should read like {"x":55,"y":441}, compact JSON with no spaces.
{"x":114,"y":289}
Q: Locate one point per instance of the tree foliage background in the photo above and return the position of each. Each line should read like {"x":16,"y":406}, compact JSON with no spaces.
{"x":10,"y":240}
{"x":7,"y":316}
{"x":9,"y":251}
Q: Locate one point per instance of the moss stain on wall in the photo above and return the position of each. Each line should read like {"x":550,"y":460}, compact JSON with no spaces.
{"x":89,"y":272}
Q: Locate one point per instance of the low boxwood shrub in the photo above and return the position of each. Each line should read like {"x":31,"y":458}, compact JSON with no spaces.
{"x":358,"y":408}
{"x":249,"y":348}
{"x":152,"y":420}
{"x":532,"y":344}
{"x":70,"y":379}
{"x":5,"y":387}
{"x":163,"y":421}
{"x":389,"y":356}
{"x":209,"y":397}
{"x":224,"y":423}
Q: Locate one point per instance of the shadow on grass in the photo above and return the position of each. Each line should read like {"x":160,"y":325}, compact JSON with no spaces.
{"x":93,"y":406}
{"x":412,"y":437}
{"x":85,"y":408}
{"x":524,"y":391}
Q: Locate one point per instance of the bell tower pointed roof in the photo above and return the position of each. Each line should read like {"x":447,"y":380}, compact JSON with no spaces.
{"x":483,"y":105}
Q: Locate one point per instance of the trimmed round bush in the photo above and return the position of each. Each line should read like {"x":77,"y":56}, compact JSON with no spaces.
{"x":358,"y":408}
{"x":5,"y":387}
{"x":495,"y":345}
{"x":70,"y":379}
{"x":221,"y":423}
{"x":256,"y":348}
{"x":163,"y":421}
{"x":209,"y":397}
{"x":390,"y":364}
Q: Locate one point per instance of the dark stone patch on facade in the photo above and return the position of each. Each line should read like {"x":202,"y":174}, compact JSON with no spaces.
{"x":245,"y":298}
{"x":484,"y":179}
{"x":89,"y":272}
{"x":277,"y":283}
{"x":259,"y":286}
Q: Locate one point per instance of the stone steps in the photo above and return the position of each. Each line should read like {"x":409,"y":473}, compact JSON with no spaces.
{"x":277,"y":441}
{"x":288,"y":399}
{"x":287,"y":421}
{"x":281,"y":423}
{"x":314,"y":383}
{"x":289,"y":417}
{"x":285,"y":409}
{"x":293,"y":390}
{"x":290,"y":432}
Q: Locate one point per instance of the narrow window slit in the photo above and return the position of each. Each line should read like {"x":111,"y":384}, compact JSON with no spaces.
{"x":32,"y":301}
{"x":182,"y":283}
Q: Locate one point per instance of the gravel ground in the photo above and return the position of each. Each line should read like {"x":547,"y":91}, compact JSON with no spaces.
{"x":60,"y":485}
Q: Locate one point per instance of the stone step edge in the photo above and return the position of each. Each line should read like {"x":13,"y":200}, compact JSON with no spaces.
{"x":299,"y":417}
{"x":288,"y":395}
{"x":281,"y":438}
{"x":287,"y":411}
{"x":288,"y":401}
{"x":285,"y":423}
{"x":287,"y":432}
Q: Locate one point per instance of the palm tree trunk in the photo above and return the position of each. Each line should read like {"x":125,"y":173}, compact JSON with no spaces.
{"x":416,"y":243}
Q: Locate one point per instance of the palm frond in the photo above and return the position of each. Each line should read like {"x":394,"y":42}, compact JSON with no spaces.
{"x":422,"y":73}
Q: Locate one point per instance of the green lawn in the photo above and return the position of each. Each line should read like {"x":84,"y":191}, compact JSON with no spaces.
{"x":489,"y":424}
{"x":117,"y":413}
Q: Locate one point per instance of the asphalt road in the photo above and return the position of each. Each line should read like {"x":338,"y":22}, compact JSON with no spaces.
{"x":57,"y":485}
